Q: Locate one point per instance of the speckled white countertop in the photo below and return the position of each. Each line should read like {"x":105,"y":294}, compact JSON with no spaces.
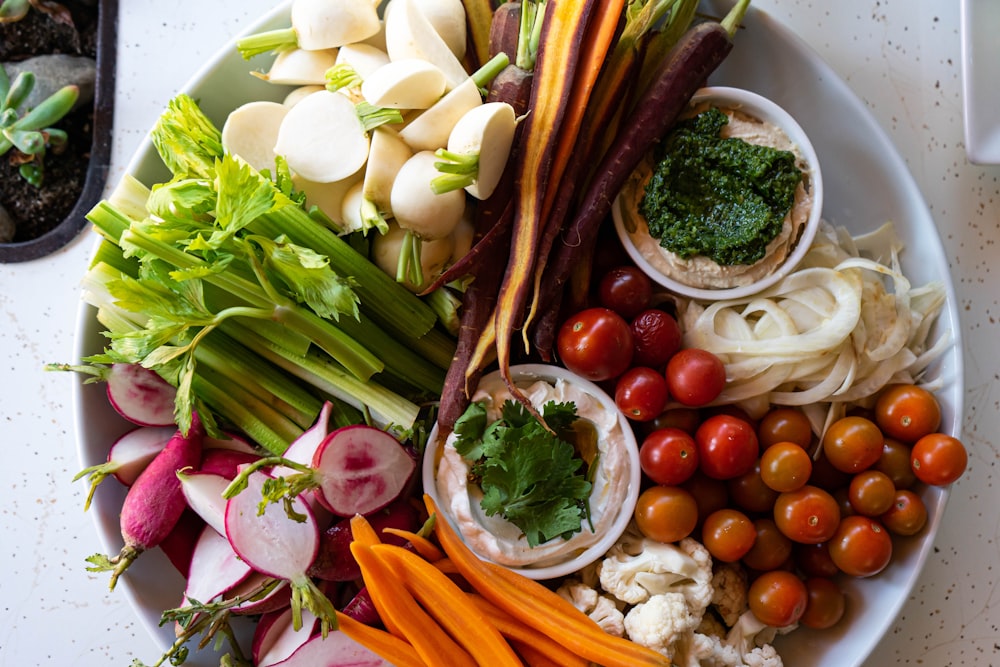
{"x":902,"y":57}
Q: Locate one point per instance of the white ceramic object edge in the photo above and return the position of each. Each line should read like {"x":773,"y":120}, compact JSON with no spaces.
{"x":980,"y":92}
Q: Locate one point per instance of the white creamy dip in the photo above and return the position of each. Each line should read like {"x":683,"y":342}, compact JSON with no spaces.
{"x":701,"y":271}
{"x":502,"y":542}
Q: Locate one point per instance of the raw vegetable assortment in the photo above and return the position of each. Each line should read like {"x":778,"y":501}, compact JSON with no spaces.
{"x":317,"y":272}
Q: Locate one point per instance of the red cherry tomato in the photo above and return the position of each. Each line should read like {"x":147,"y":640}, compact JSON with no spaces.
{"x":810,"y":514}
{"x":695,"y":376}
{"x":656,"y":336}
{"x":625,"y":290}
{"x":668,"y":456}
{"x":853,"y":444}
{"x":938,"y":459}
{"x":666,"y":513}
{"x":728,"y":534}
{"x":595,"y":343}
{"x":826,"y":604}
{"x":907,"y":412}
{"x":861,"y":546}
{"x":641,"y":393}
{"x":778,"y":598}
{"x":907,"y":515}
{"x":727,"y":446}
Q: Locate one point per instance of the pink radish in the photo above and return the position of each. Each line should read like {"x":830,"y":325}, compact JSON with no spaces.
{"x":276,"y":599}
{"x":283,"y":546}
{"x":215,"y":568}
{"x":361,"y":469}
{"x":334,"y":650}
{"x":335,"y":562}
{"x":304,"y":447}
{"x":140,"y":395}
{"x":203,"y":494}
{"x":225,"y":462}
{"x":362,"y":609}
{"x":127,"y":457}
{"x":276,"y":639}
{"x":154,"y":502}
{"x":230,"y":441}
{"x":178,"y":545}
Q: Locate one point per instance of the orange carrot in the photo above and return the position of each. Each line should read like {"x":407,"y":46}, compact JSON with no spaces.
{"x":534,"y":604}
{"x":403,"y":616}
{"x":519,"y":633}
{"x":448,"y":604}
{"x":421,"y":544}
{"x":534,"y":658}
{"x":397,"y":651}
{"x":362,"y":531}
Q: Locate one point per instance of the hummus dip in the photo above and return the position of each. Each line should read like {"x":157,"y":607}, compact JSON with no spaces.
{"x":498,"y":540}
{"x":701,"y":271}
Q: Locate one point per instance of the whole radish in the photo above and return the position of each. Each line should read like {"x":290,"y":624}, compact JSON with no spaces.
{"x":154,"y":503}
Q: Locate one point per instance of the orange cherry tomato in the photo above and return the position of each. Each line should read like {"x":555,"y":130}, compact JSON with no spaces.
{"x":938,"y":459}
{"x":907,"y":412}
{"x":666,"y":513}
{"x":728,"y":534}
{"x":853,"y":444}
{"x":861,"y":546}
{"x":778,"y":598}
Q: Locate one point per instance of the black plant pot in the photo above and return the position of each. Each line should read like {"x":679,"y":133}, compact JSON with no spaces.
{"x":100,"y":153}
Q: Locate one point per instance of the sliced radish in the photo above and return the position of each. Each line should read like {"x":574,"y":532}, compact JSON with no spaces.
{"x":276,"y":640}
{"x":279,"y":545}
{"x":178,"y":545}
{"x":363,"y":58}
{"x":215,"y":568}
{"x":404,"y":84}
{"x":251,"y":130}
{"x":140,"y":395}
{"x":335,"y":562}
{"x":362,"y":609}
{"x":128,"y":456}
{"x":277,"y":599}
{"x":203,"y":493}
{"x":409,"y":34}
{"x":488,"y":132}
{"x":334,"y":650}
{"x":430,"y":130}
{"x":301,"y":67}
{"x":229,"y":440}
{"x":325,"y":24}
{"x":322,"y":138}
{"x":362,"y":469}
{"x":225,"y":462}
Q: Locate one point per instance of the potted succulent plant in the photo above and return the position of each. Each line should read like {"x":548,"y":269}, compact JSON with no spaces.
{"x":57,"y":63}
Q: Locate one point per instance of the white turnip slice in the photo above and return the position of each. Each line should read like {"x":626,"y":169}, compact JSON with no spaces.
{"x":353,"y":206}
{"x":279,"y":545}
{"x":322,"y":138}
{"x":275,"y":639}
{"x":334,"y":650}
{"x":300,"y":67}
{"x":409,"y":83}
{"x":361,"y":469}
{"x":140,"y":395}
{"x":447,"y":17}
{"x":325,"y":24}
{"x":154,"y":503}
{"x":362,"y":58}
{"x":128,"y":456}
{"x":215,"y":568}
{"x":387,"y":155}
{"x":300,"y":93}
{"x":203,"y":494}
{"x":478,"y":148}
{"x":430,"y":130}
{"x":251,"y":130}
{"x":328,"y":197}
{"x":409,"y":34}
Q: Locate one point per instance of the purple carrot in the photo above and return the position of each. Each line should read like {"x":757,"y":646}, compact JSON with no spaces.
{"x":154,"y":503}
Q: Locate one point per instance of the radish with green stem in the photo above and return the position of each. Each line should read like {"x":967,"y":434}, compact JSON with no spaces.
{"x":478,"y":148}
{"x":316,"y":25}
{"x":275,"y":639}
{"x":215,"y":568}
{"x":154,"y":503}
{"x":251,"y":131}
{"x":136,"y":393}
{"x":276,"y":544}
{"x":328,"y":197}
{"x":408,"y":83}
{"x":128,"y":456}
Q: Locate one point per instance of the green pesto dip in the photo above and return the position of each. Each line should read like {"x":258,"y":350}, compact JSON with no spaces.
{"x":724,"y":198}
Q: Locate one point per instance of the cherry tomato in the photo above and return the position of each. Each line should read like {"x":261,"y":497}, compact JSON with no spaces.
{"x":595,"y":343}
{"x":656,"y":337}
{"x":852,"y":444}
{"x":727,"y":446}
{"x":695,"y":376}
{"x":778,"y":598}
{"x":728,"y":534}
{"x":826,"y":604}
{"x":785,"y":466}
{"x":750,"y":493}
{"x":668,"y":456}
{"x":814,"y":560}
{"x":625,"y":290}
{"x":687,"y":420}
{"x":907,"y":515}
{"x":825,"y":476}
{"x":641,"y":393}
{"x":808,"y":515}
{"x":895,"y":462}
{"x":861,"y":546}
{"x":938,"y":459}
{"x":770,"y":550}
{"x":907,"y":412}
{"x":710,"y":494}
{"x":784,"y":425}
{"x":871,"y":492}
{"x":666,"y":513}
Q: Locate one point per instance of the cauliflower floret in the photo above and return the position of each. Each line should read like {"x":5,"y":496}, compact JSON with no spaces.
{"x":729,"y":596}
{"x":636,"y":569}
{"x":599,"y":607}
{"x":661,"y":621}
{"x":763,"y":656}
{"x":752,"y":639}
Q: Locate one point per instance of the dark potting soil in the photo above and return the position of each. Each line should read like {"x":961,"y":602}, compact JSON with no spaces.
{"x":36,"y":210}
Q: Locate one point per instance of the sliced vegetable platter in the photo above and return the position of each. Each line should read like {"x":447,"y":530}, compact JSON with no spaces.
{"x":866,"y":182}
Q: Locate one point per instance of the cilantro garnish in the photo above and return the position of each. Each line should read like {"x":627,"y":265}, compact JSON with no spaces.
{"x":530,"y":475}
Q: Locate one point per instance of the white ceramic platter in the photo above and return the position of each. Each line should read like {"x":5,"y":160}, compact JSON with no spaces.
{"x":867,"y":183}
{"x":980,"y":93}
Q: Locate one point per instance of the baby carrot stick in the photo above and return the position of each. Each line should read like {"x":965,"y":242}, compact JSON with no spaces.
{"x":397,"y":651}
